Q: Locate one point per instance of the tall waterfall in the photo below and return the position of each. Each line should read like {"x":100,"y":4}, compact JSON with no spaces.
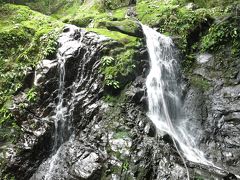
{"x":164,"y":95}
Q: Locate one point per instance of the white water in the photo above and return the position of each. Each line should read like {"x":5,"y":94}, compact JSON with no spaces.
{"x":61,"y":122}
{"x":164,"y":96}
{"x":76,"y":48}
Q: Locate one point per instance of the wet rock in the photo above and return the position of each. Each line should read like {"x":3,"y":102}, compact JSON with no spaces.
{"x":86,"y":167}
{"x":116,"y":140}
{"x":150,"y":129}
{"x":230,"y":177}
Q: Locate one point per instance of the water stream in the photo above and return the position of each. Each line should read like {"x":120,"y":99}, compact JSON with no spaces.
{"x":164,"y":96}
{"x":62,"y":118}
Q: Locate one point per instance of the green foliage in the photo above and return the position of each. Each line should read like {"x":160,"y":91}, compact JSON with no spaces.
{"x":82,"y":15}
{"x":32,"y":95}
{"x":26,"y":37}
{"x":9,"y":177}
{"x":114,"y":4}
{"x":90,"y":14}
{"x":226,"y":32}
{"x":213,"y":3}
{"x":116,"y":69}
{"x":109,"y":80}
{"x":5,"y":115}
{"x":107,"y":61}
{"x":125,"y":166}
{"x":9,"y":130}
{"x":110,"y":76}
{"x":209,"y":26}
{"x":44,"y":6}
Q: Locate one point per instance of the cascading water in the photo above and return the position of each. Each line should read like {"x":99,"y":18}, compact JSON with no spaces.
{"x":164,"y":95}
{"x":62,"y":124}
{"x":77,"y":63}
{"x":60,"y":110}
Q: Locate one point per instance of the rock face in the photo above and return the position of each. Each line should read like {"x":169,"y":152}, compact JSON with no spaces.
{"x":114,"y":139}
{"x":217,"y":111}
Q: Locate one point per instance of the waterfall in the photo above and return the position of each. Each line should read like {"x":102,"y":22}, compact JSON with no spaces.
{"x":164,"y":95}
{"x":74,"y":75}
{"x":68,"y":45}
{"x":61,"y":123}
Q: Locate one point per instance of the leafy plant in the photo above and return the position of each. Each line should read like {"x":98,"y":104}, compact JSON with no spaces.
{"x":32,"y":95}
{"x":125,"y":166}
{"x":225,"y":32}
{"x":111,"y":82}
{"x":9,"y":130}
{"x":117,"y":68}
{"x":107,"y":61}
{"x":5,"y":115}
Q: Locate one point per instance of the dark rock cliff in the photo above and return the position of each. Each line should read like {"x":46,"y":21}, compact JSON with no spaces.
{"x":114,"y":139}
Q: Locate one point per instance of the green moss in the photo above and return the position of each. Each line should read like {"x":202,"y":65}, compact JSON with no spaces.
{"x":126,"y":26}
{"x":114,"y":4}
{"x":213,"y":3}
{"x":45,"y":6}
{"x":120,"y":13}
{"x":26,"y":37}
{"x":120,"y":37}
{"x":81,"y":13}
{"x":120,"y":135}
{"x":188,"y":64}
{"x":93,"y":14}
{"x":200,"y":83}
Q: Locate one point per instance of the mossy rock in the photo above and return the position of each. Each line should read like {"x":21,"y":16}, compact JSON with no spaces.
{"x":115,"y":4}
{"x":26,"y":37}
{"x":200,"y":83}
{"x":224,"y":32}
{"x":124,"y":39}
{"x":81,"y":22}
{"x":126,"y":26}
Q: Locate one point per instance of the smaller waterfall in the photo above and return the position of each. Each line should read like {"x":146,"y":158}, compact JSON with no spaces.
{"x":164,"y":95}
{"x":62,"y":124}
{"x":59,"y":121}
{"x":77,"y":63}
{"x":62,"y":119}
